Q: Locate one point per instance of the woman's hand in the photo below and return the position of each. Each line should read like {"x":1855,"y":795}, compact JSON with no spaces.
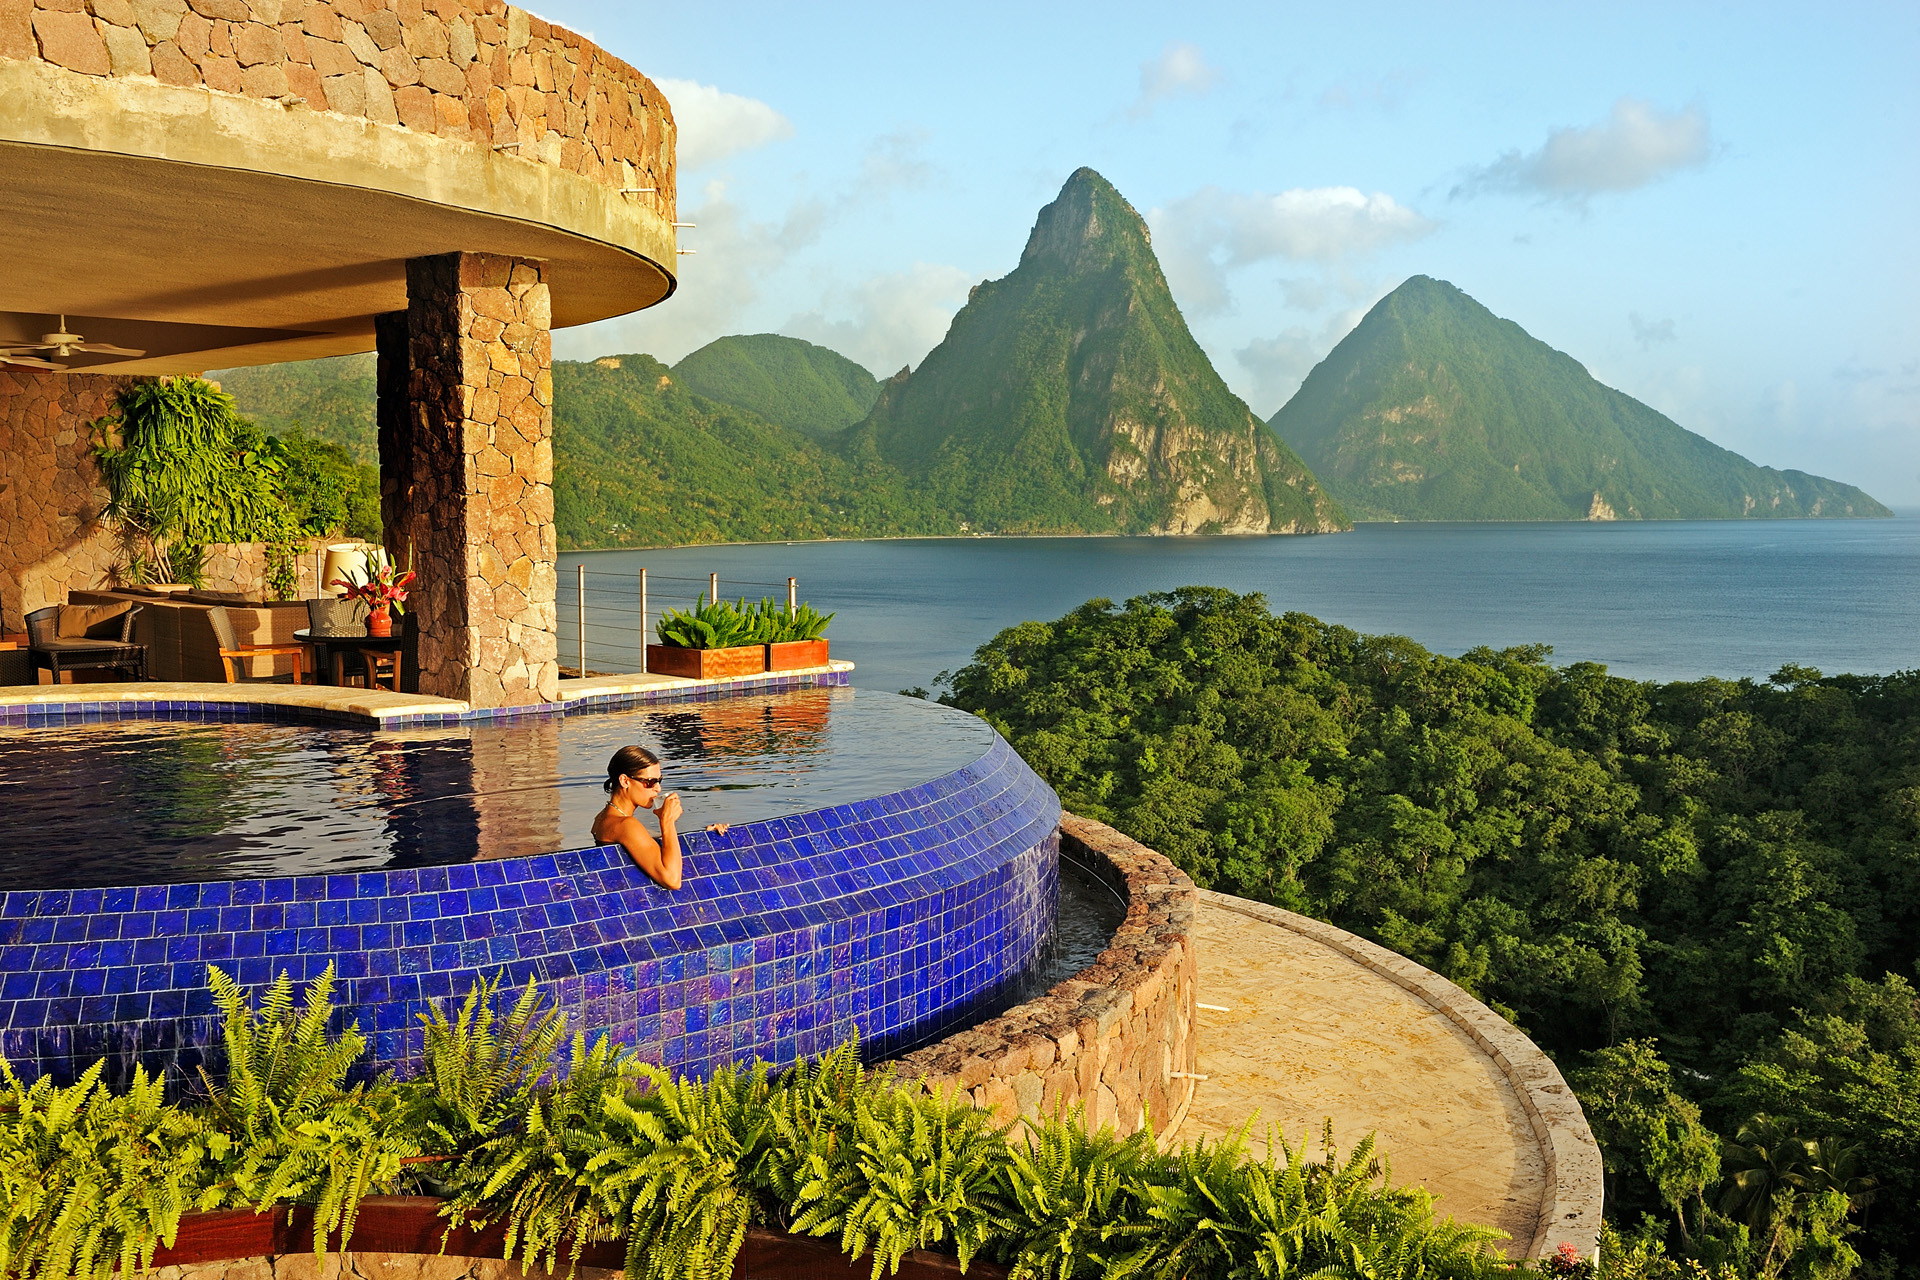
{"x":668,"y":809}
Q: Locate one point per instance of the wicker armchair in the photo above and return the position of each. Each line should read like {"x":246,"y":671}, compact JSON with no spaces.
{"x":234,"y":656}
{"x":56,"y":653}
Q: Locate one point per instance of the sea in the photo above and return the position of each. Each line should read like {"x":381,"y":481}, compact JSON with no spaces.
{"x":1667,"y":600}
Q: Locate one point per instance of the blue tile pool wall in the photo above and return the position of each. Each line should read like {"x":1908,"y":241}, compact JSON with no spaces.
{"x":901,"y":917}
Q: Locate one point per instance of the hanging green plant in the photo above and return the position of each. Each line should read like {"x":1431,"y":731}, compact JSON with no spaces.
{"x":184,"y":469}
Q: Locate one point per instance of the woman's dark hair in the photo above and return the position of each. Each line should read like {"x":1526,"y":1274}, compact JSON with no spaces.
{"x":630,"y":761}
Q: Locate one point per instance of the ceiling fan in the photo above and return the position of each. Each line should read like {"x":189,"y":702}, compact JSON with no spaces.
{"x":61,"y":343}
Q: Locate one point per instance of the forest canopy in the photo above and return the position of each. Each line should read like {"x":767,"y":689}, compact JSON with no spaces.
{"x":1700,"y":897}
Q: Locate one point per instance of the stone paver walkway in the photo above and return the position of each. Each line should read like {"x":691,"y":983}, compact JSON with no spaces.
{"x":1313,"y":1034}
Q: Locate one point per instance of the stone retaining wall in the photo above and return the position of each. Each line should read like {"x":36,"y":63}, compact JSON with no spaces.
{"x":1570,"y":1207}
{"x":1117,"y":1037}
{"x":51,"y":497}
{"x":242,"y":567}
{"x":477,"y":70}
{"x":51,"y":494}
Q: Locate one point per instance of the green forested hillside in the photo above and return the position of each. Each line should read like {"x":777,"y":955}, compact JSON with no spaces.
{"x":1434,"y":408}
{"x":331,"y":399}
{"x":1070,"y":397}
{"x":641,"y":461}
{"x":786,"y":381}
{"x":1703,"y":898}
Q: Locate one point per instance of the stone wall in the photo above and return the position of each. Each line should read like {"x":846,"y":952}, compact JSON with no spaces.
{"x":467,"y":466}
{"x":1117,"y":1037}
{"x":50,"y":490}
{"x":476,"y":70}
{"x":242,"y":567}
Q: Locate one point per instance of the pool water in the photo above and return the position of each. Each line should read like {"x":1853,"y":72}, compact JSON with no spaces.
{"x":170,"y":802}
{"x":1090,"y":910}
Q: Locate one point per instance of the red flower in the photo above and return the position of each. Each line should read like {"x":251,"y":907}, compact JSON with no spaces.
{"x":385,"y":586}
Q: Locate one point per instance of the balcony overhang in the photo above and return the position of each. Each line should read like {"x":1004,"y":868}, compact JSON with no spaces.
{"x":214,"y":230}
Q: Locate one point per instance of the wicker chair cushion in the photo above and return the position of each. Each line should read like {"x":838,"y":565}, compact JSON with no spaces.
{"x":93,"y":621}
{"x":223,"y":627}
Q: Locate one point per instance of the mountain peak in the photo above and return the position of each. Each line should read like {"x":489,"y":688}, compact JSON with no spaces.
{"x":1084,"y":217}
{"x":1435,"y":408}
{"x":1069,"y":396}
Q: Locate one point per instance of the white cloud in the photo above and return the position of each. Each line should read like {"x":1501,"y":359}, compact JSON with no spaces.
{"x":895,"y":162}
{"x":1636,"y":145}
{"x":719,"y":282}
{"x":1855,"y":372}
{"x":1181,"y":70}
{"x":1650,"y":333}
{"x":714,"y":124}
{"x":1212,"y":232}
{"x":890,"y":320}
{"x":1385,"y":93}
{"x":1278,"y":365}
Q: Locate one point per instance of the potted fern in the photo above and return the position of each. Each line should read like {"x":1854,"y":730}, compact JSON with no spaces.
{"x":723,"y":638}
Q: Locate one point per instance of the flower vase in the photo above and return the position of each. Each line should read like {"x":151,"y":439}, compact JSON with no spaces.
{"x":379,"y":622}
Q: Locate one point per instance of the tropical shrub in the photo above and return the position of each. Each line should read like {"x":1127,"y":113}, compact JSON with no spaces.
{"x":93,"y":1181}
{"x":722,"y":624}
{"x":327,"y":494}
{"x":1703,"y":897}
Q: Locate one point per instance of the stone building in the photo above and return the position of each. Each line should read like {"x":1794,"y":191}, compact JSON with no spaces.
{"x":229,"y":182}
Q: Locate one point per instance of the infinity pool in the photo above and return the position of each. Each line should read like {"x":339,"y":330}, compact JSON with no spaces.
{"x":892,"y":871}
{"x":154,"y":802}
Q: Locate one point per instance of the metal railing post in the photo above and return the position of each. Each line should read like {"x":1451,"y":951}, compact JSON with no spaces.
{"x":713,"y":588}
{"x":580,"y":612}
{"x":793,"y":595}
{"x":643,"y":622}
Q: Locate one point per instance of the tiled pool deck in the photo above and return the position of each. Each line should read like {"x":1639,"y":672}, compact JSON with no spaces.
{"x":146,"y":700}
{"x":901,"y":916}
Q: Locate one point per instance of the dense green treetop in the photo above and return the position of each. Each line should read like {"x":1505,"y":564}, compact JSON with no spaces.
{"x":785,"y":380}
{"x":1725,"y":874}
{"x":639,"y":460}
{"x":1069,"y":396}
{"x":331,"y":399}
{"x":1434,"y":408}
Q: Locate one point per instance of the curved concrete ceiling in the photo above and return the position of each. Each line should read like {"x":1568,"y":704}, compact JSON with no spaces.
{"x":211,"y":230}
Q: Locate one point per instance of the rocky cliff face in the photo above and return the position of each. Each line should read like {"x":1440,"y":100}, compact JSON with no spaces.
{"x":1070,"y":397}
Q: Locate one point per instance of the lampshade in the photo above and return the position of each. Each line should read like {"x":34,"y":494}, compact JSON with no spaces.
{"x":341,"y":557}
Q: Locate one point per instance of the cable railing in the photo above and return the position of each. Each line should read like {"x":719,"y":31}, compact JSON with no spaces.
{"x":605,"y":616}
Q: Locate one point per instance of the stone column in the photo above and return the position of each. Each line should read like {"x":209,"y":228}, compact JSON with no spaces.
{"x":393,"y":423}
{"x":467,"y":475}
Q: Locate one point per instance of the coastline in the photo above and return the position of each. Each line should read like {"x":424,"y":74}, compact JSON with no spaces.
{"x":1897,"y":513}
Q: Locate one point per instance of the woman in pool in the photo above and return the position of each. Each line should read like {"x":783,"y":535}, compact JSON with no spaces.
{"x":633,"y":785}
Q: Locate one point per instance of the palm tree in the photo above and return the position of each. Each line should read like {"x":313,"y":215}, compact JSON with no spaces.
{"x":1766,"y":1165}
{"x":1835,"y":1166}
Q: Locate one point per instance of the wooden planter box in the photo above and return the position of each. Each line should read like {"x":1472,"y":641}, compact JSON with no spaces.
{"x":413,"y":1225}
{"x":792,"y":655}
{"x":706,"y":664}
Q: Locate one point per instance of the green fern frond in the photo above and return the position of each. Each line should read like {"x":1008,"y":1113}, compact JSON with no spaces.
{"x":480,"y":1069}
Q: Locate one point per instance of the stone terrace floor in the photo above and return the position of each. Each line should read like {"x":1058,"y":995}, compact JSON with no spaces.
{"x":1313,"y":1034}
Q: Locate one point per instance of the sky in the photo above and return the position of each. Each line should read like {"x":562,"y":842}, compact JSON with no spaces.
{"x":1712,"y":207}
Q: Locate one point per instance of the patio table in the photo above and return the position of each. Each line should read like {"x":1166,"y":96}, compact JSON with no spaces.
{"x":336,"y":648}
